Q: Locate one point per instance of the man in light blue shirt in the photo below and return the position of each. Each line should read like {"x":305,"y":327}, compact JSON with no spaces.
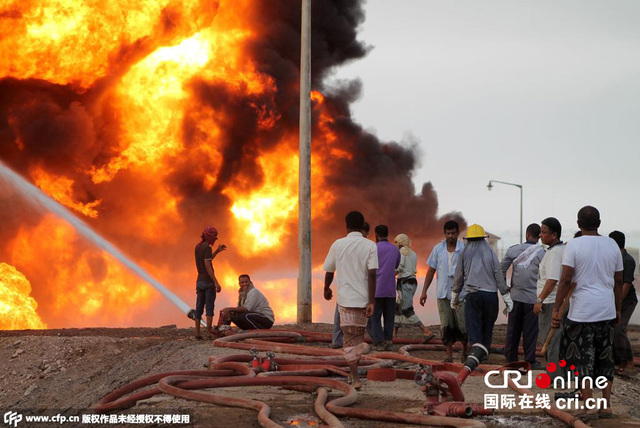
{"x":443,"y":261}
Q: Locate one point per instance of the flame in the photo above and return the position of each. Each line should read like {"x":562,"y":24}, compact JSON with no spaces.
{"x":79,"y":286}
{"x":147,"y":77}
{"x":263,"y":215}
{"x":73,"y":42}
{"x":17,"y":308}
{"x":61,"y":189}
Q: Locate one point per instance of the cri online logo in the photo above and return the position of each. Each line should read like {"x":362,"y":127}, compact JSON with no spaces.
{"x":543,"y":380}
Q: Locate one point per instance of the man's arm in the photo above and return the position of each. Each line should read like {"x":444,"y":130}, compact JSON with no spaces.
{"x":458,"y":278}
{"x":220,"y":249}
{"x":625,"y":289}
{"x":499,"y":276}
{"x":563,"y":289}
{"x":427,"y":282}
{"x":371,"y":282}
{"x":209,"y":267}
{"x":549,"y":285}
{"x":238,"y":309}
{"x":617,"y":292}
{"x":506,"y":262}
{"x":328,"y":279}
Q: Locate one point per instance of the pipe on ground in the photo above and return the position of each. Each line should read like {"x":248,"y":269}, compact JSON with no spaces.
{"x":459,"y":409}
{"x":116,"y":400}
{"x":567,"y":418}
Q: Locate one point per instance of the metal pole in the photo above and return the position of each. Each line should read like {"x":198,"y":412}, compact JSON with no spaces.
{"x":521,"y":235}
{"x":304,"y":178}
{"x":490,"y":186}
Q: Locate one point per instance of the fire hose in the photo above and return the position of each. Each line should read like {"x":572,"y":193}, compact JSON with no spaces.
{"x":446,"y":400}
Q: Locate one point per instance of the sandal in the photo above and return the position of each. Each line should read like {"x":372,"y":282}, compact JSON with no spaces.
{"x":427,"y":339}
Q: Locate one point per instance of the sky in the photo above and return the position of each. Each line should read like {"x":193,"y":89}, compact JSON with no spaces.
{"x":545,"y":94}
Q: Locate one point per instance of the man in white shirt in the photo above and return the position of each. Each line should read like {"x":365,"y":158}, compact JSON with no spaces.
{"x":355,"y":258}
{"x":594,"y":263}
{"x":548,"y":277}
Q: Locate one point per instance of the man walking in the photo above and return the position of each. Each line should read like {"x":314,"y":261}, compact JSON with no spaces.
{"x":355,"y":258}
{"x":525,"y":259}
{"x":336,"y":334}
{"x":443,"y":261}
{"x":622,"y":352}
{"x":385,"y":302}
{"x":594,"y":263}
{"x":548,"y":277}
{"x":479,"y":271}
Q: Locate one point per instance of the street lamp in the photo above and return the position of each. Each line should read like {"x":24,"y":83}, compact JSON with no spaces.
{"x":490,"y":186}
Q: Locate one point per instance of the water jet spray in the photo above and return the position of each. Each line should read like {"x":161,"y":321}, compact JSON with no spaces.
{"x":39,"y":197}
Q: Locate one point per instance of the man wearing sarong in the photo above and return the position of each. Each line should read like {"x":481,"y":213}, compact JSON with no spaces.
{"x":355,"y":258}
{"x":594,"y":263}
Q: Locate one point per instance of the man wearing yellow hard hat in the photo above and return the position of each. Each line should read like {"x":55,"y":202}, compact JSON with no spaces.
{"x":479,"y":272}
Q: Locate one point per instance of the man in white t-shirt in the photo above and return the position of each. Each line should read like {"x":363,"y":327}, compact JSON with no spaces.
{"x":594,"y":263}
{"x":548,"y":277}
{"x":355,"y":258}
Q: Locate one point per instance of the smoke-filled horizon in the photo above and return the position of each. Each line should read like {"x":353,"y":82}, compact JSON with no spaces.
{"x":177,"y":118}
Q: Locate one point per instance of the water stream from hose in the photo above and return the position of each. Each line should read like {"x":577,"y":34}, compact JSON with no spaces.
{"x":35,"y":195}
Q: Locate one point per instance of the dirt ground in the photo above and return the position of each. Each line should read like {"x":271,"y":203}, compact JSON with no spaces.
{"x":46,"y":372}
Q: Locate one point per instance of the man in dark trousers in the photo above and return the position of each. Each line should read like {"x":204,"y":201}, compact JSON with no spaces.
{"x":253,"y":311}
{"x":525,"y":259}
{"x":206,"y":285}
{"x":622,"y":352}
{"x":385,"y":303}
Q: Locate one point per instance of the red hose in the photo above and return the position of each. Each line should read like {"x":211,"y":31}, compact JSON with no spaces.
{"x":458,"y":409}
{"x":182,"y":384}
{"x":113,"y":400}
{"x":452,"y":384}
{"x":168,"y":385}
{"x":321,"y":410}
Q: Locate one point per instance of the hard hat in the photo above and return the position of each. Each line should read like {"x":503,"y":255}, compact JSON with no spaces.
{"x":475,"y":231}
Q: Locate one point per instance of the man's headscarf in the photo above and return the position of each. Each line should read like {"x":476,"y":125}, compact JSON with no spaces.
{"x":404,"y":243}
{"x":242,"y":293}
{"x":209,"y":234}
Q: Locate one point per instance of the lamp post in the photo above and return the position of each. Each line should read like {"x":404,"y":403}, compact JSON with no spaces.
{"x":304,"y":177}
{"x":490,"y":186}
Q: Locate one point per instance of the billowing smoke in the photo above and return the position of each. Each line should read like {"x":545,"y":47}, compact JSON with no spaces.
{"x":149,"y":183}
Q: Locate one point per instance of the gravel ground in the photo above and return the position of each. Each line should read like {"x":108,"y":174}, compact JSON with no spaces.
{"x":65,"y":371}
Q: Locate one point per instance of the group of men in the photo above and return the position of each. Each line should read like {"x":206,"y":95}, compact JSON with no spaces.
{"x":253,"y":310}
{"x":594,"y":270}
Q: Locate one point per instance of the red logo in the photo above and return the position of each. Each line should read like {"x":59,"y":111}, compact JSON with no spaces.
{"x":543,"y":380}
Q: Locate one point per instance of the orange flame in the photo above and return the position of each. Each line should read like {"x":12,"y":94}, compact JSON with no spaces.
{"x":79,"y":287}
{"x":61,"y":189}
{"x":17,"y":308}
{"x":146,"y":60}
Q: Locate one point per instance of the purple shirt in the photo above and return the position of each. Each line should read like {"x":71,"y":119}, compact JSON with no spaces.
{"x":388,"y":261}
